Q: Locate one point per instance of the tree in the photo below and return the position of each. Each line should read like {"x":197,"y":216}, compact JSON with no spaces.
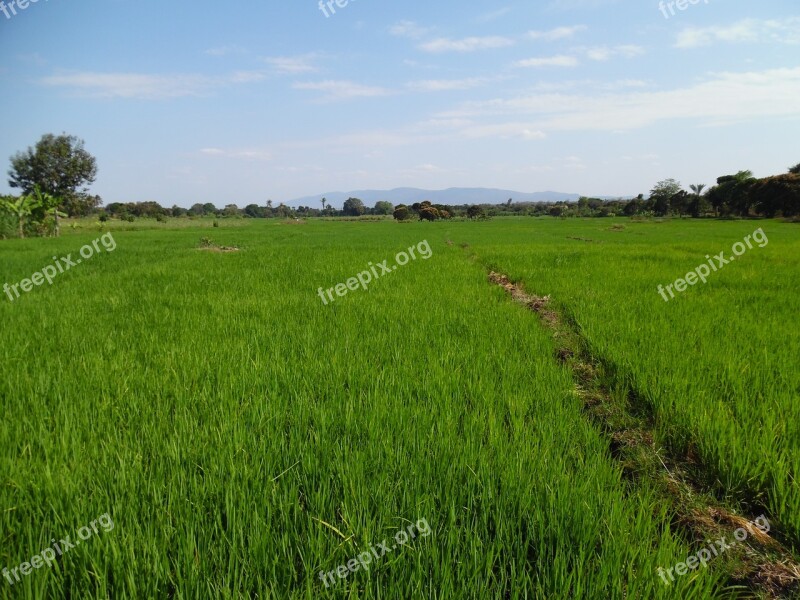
{"x":474,"y":211}
{"x":772,"y":196}
{"x":353,"y":207}
{"x":697,"y":188}
{"x":634,"y":207}
{"x":382,"y":208}
{"x":209,"y":209}
{"x":254,"y":211}
{"x":59,"y":166}
{"x":795,"y":170}
{"x":284,"y":211}
{"x":401,"y":213}
{"x":428,"y":213}
{"x":697,"y":205}
{"x":679,"y":203}
{"x":323,"y":203}
{"x":661,"y":195}
{"x":731,"y":194}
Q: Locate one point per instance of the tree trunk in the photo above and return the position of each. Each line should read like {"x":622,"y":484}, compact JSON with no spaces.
{"x":21,"y":230}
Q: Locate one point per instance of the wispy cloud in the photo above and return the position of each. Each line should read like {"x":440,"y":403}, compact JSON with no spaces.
{"x":145,"y":86}
{"x":141,"y":86}
{"x":729,"y":97}
{"x":493,"y":15}
{"x":603,"y":53}
{"x":246,"y":154}
{"x":784,"y":31}
{"x":247,"y":76}
{"x":562,"y":60}
{"x":445,"y":85}
{"x":342,"y":90}
{"x":515,"y":130}
{"x":408,"y":29}
{"x":559,"y":33}
{"x":291,"y":64}
{"x":470,"y":44}
{"x":224,"y":50}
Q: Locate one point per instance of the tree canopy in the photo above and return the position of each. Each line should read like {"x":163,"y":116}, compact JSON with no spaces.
{"x":58,"y":166}
{"x":353,"y":207}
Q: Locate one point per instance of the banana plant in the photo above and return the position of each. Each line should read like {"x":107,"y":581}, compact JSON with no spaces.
{"x":21,"y":207}
{"x":49,"y":204}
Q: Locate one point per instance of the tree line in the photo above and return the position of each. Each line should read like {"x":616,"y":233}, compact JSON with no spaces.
{"x":54,"y":178}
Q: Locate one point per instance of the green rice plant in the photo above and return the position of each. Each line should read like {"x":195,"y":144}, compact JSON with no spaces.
{"x":244,"y":437}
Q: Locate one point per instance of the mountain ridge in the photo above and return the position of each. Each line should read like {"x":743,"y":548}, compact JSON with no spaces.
{"x":452,"y":196}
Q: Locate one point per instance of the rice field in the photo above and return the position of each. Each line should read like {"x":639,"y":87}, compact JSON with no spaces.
{"x":248,"y":440}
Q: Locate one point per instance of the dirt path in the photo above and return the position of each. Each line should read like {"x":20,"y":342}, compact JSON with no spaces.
{"x":761,"y":562}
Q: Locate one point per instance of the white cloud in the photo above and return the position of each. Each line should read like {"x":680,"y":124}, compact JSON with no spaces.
{"x":291,"y":64}
{"x":602,"y":53}
{"x":342,"y":90}
{"x":224,"y":50}
{"x":514,"y":130}
{"x":247,"y":76}
{"x":136,"y":85}
{"x":785,"y":31}
{"x":728,"y":97}
{"x":408,"y":29}
{"x":446,"y":85}
{"x":469,"y":44}
{"x":423,"y":169}
{"x":549,"y":61}
{"x":247,"y":154}
{"x":495,"y":14}
{"x":559,"y":33}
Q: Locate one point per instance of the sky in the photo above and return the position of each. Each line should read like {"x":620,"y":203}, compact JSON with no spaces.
{"x":248,"y":100}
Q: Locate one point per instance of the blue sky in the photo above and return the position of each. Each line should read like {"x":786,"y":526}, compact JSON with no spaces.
{"x":240,"y":102}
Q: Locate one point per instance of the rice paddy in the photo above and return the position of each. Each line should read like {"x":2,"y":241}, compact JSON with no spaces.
{"x":247,"y":439}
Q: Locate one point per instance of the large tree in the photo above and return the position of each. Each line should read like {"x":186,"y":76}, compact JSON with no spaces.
{"x":59,"y":166}
{"x":777,"y":195}
{"x":353,"y":207}
{"x":661,"y":195}
{"x":795,"y":170}
{"x":732,"y":194}
{"x":383,"y":208}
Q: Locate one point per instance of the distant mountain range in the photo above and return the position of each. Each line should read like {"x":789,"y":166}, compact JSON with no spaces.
{"x":452,"y":196}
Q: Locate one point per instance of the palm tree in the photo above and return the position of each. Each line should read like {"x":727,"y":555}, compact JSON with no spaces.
{"x":323,"y":204}
{"x":697,"y":188}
